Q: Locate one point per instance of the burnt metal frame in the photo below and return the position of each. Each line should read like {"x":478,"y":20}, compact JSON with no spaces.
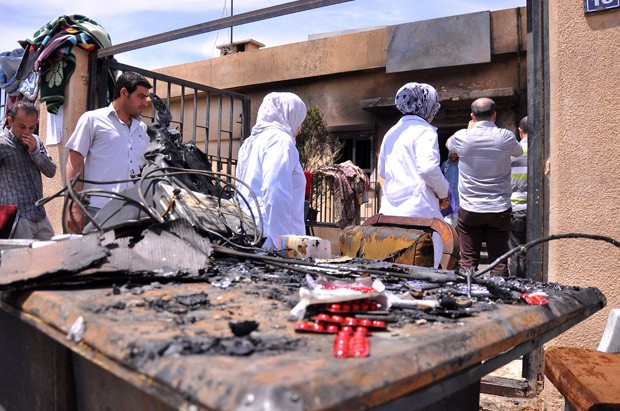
{"x":570,"y":312}
{"x":538,"y":152}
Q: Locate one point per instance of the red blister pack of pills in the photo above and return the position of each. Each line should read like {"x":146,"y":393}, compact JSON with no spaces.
{"x":352,"y":344}
{"x":316,"y":327}
{"x":535,"y":298}
{"x":353,"y":306}
{"x":350,"y":321}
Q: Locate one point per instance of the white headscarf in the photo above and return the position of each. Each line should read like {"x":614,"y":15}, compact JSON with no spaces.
{"x":420,"y":99}
{"x":284,"y":111}
{"x":279,"y":110}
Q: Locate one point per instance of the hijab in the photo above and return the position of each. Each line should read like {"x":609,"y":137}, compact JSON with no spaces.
{"x":282,"y":111}
{"x":419,"y":99}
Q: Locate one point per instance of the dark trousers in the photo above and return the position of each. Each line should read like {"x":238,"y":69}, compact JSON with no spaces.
{"x":516,"y":266}
{"x":476,"y":228}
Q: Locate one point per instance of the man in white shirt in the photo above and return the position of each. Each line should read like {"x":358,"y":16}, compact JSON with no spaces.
{"x":485,"y":212}
{"x":108,"y":145}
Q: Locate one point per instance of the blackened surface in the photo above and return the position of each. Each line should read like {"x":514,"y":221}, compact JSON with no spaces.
{"x":121,"y":214}
{"x":243,"y":328}
{"x":237,"y":346}
{"x":194,"y":301}
{"x":158,"y":252}
{"x":173,"y":325}
{"x":168,"y":150}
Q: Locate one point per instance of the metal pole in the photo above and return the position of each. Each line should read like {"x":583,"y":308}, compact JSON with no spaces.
{"x":537,"y":184}
{"x":243,"y":18}
{"x":231,"y":27}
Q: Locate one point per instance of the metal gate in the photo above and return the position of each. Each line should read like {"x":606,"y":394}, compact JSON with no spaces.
{"x":215,"y":120}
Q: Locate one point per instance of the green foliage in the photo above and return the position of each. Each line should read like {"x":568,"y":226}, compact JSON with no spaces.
{"x":317,"y":147}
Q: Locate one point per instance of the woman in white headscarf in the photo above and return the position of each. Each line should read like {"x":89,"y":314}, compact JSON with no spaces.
{"x":409,"y":161}
{"x":269,"y":163}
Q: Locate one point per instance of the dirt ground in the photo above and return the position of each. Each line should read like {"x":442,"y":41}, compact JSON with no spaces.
{"x":497,"y":403}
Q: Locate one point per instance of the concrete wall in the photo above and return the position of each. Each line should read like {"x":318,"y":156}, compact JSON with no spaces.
{"x":584,"y":131}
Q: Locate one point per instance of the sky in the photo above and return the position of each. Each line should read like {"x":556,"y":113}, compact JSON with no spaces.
{"x":137,"y":19}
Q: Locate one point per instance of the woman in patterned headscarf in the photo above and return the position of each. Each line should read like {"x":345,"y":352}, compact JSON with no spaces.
{"x":269,"y":164}
{"x":409,"y":160}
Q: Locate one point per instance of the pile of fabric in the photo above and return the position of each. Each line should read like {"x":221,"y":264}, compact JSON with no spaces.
{"x":16,"y":89}
{"x":348,"y":183}
{"x":46,"y":61}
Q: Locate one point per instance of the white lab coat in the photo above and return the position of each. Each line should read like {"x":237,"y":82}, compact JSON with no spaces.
{"x":269,"y":163}
{"x":409,"y":164}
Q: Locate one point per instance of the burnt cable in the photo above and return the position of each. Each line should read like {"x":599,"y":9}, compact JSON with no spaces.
{"x":522,"y":249}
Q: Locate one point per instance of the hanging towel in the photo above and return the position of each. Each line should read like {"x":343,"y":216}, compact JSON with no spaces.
{"x":49,"y":51}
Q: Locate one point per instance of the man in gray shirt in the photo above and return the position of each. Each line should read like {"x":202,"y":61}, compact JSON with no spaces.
{"x":485,"y":211}
{"x":23,"y":158}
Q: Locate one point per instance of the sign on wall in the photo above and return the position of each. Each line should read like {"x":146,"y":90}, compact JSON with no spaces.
{"x":442,"y":42}
{"x":600,"y":5}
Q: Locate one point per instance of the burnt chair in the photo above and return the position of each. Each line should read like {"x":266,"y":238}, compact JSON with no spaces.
{"x":404,"y":240}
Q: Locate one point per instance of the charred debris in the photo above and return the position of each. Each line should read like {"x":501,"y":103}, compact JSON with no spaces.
{"x":182,"y":223}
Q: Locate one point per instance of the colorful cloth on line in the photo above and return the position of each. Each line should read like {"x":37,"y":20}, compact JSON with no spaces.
{"x":49,"y":51}
{"x":349,"y":185}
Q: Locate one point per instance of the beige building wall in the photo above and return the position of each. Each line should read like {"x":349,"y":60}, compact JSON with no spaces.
{"x":340,"y":72}
{"x":584,"y":135}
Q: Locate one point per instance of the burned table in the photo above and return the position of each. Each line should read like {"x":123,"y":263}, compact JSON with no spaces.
{"x":170,"y":346}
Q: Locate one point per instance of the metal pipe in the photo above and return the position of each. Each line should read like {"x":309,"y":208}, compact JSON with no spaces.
{"x":243,"y":18}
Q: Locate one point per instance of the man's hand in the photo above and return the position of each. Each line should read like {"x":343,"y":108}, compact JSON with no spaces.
{"x":75,"y":215}
{"x":29,"y":141}
{"x":75,"y":219}
{"x":444,"y":203}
